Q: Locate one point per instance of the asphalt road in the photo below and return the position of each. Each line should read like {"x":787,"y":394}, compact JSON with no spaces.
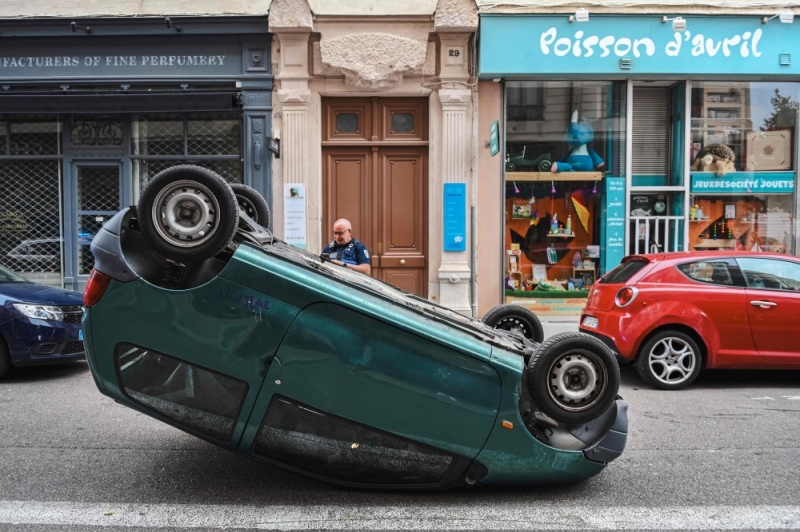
{"x":723,"y":454}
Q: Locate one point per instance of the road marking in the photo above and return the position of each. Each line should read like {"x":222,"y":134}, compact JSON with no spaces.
{"x":509,"y":516}
{"x":762,"y":398}
{"x":792,"y":397}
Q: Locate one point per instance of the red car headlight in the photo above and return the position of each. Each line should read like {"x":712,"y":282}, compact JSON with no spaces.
{"x":625,"y":296}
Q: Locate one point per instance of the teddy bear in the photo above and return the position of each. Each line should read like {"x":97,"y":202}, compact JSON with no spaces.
{"x":715,"y":158}
{"x":581,"y":158}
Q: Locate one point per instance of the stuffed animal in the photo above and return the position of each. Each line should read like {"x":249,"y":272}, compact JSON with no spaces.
{"x":581,"y":158}
{"x":715,"y":158}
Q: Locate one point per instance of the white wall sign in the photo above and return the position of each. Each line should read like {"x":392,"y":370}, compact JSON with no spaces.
{"x":294,"y":214}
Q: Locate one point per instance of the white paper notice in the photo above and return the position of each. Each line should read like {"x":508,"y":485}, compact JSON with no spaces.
{"x":294,"y":214}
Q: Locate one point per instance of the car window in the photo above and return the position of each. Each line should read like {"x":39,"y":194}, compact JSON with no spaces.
{"x":709,"y":271}
{"x":623,"y":272}
{"x":771,"y":274}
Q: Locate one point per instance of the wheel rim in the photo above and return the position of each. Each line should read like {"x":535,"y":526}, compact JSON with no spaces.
{"x":513,"y":323}
{"x":247,"y":207}
{"x":672,"y":361}
{"x":186,"y":213}
{"x":577,"y":380}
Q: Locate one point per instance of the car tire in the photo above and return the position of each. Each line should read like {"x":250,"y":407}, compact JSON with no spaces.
{"x":188,"y":213}
{"x":252,"y":203}
{"x":510,"y":317}
{"x":573,"y":377}
{"x":669,"y":360}
{"x":5,"y":358}
{"x":545,"y":166}
{"x":511,"y":167}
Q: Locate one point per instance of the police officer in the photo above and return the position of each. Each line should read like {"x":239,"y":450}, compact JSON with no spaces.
{"x":345,"y":250}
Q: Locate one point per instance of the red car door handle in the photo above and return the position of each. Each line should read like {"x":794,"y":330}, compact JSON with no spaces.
{"x":763,"y":304}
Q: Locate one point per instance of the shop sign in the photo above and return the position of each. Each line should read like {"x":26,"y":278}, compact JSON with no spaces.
{"x":294,"y":214}
{"x":523,"y":44}
{"x":744,"y":183}
{"x":455,"y":216}
{"x":107,"y":57}
{"x":614,"y":218}
{"x":494,"y":138}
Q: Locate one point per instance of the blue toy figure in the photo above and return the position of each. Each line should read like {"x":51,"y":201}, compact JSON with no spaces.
{"x":581,"y":158}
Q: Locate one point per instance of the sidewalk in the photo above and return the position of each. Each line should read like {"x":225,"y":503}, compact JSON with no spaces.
{"x":557,"y":324}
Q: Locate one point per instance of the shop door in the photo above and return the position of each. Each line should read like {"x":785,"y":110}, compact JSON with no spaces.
{"x":98,"y":196}
{"x":381,"y":192}
{"x":375,"y":175}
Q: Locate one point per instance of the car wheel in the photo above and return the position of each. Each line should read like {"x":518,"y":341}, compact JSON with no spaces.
{"x":252,"y":203}
{"x":510,"y":317}
{"x":5,"y":358}
{"x":545,"y":166}
{"x":670,"y":360}
{"x":188,"y":213}
{"x":511,"y":167}
{"x":573,"y":377}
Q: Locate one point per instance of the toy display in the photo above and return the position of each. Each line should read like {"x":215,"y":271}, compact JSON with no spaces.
{"x":520,"y":162}
{"x":581,"y":158}
{"x":717,"y":158}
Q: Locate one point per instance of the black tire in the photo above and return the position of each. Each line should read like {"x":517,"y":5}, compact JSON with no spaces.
{"x":669,"y":360}
{"x":5,"y":358}
{"x":252,"y":203}
{"x":509,"y":317}
{"x":573,"y":377}
{"x":188,"y":213}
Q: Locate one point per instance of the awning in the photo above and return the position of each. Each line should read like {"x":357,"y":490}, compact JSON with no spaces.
{"x":11,"y":9}
{"x":118,"y":103}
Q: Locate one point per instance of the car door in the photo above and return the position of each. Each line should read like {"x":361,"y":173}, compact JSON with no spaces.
{"x":773,"y":296}
{"x":357,"y":400}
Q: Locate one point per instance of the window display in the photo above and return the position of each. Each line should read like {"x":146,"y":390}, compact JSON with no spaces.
{"x":557,"y":156}
{"x":743,"y":169}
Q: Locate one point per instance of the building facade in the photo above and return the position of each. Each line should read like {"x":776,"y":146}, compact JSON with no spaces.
{"x":95,"y":100}
{"x":633,"y":130}
{"x":375,"y":107}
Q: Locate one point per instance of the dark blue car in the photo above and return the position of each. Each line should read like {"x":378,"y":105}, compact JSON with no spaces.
{"x":38,"y":324}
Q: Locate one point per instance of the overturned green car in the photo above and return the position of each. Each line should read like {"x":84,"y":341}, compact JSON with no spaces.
{"x":197,"y":316}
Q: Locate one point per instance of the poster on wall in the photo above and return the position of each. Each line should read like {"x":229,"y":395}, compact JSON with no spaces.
{"x":455,"y":216}
{"x":614,"y":217}
{"x":294,"y":214}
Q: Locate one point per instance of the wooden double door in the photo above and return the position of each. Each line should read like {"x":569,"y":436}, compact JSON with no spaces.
{"x":375,"y":160}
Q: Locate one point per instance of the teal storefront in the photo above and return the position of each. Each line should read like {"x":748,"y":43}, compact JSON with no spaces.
{"x":630,"y":134}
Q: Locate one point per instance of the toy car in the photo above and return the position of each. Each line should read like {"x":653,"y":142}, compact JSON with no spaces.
{"x":521,"y":162}
{"x":199,"y":317}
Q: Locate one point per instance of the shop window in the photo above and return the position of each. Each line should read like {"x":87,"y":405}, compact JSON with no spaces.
{"x":157,"y":135}
{"x":203,"y":400}
{"x":213,"y":135}
{"x":333,"y":447}
{"x":562,"y":140}
{"x":743,"y":166}
{"x":34,"y":135}
{"x":346,"y":123}
{"x":771,"y":274}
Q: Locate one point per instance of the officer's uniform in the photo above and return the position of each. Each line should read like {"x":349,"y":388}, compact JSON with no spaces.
{"x":354,"y":252}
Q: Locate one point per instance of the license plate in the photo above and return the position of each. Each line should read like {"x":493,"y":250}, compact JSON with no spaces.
{"x":80,"y":334}
{"x":590,"y":322}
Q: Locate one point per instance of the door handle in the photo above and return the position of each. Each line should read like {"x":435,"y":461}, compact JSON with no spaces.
{"x":763,"y":304}
{"x":402,"y":262}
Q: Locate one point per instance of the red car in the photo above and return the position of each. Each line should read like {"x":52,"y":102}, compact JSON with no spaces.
{"x":673,"y":314}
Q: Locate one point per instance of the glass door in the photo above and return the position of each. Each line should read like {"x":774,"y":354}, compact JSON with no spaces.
{"x":98,"y":187}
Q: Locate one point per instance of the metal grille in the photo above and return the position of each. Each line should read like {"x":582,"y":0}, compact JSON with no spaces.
{"x":145,"y":170}
{"x":98,"y":200}
{"x":34,"y":135}
{"x":214,"y":134}
{"x":96,"y":130}
{"x":70,"y":348}
{"x":651,"y":131}
{"x":157,"y":135}
{"x":72,"y":314}
{"x":30,"y":229}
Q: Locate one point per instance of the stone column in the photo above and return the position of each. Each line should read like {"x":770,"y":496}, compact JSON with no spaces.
{"x":454,"y":271}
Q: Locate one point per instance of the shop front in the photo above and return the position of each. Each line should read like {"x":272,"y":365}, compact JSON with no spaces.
{"x":626,"y":134}
{"x":89,"y":114}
